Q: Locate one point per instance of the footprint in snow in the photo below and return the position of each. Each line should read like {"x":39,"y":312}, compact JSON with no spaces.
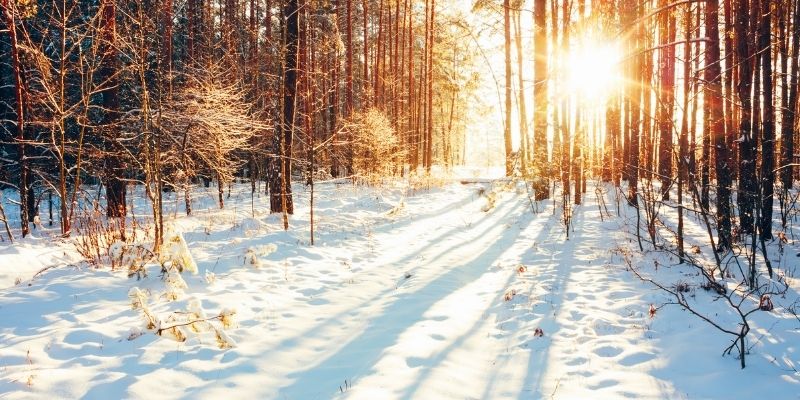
{"x":608,"y":351}
{"x":605,"y":328}
{"x":436,"y":336}
{"x":576,"y":361}
{"x":636,"y":359}
{"x":604,"y":384}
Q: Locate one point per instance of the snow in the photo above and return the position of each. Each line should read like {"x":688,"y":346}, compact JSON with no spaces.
{"x":409,"y":292}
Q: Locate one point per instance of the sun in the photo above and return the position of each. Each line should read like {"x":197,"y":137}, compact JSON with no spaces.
{"x":593,"y":70}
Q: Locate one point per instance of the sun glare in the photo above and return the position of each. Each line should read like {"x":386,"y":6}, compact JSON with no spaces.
{"x":593,"y":70}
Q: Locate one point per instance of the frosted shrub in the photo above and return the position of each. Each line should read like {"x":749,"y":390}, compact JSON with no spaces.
{"x":94,"y":234}
{"x":251,"y":259}
{"x":251,"y":227}
{"x":174,"y":284}
{"x":181,"y":325}
{"x":132,"y":257}
{"x":396,"y":210}
{"x":376,"y":151}
{"x":138,"y":298}
{"x":491,"y":198}
{"x":251,"y":256}
{"x":210,"y":277}
{"x":228,"y":317}
{"x":175,"y":251}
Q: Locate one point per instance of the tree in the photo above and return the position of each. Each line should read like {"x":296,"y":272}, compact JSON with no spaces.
{"x":507,"y":108}
{"x":766,"y":186}
{"x":109,"y":80}
{"x":25,"y":190}
{"x":540,"y":66}
{"x":280,"y":185}
{"x":790,"y":103}
{"x":667,"y":101}
{"x":716,"y":124}
{"x":748,"y":184}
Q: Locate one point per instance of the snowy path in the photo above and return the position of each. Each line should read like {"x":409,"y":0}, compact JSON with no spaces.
{"x":448,"y":332}
{"x":404,"y":296}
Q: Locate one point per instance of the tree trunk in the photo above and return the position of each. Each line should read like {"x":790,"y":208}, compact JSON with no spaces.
{"x":114,"y":168}
{"x":747,"y":143}
{"x":683,"y":141}
{"x":19,"y":98}
{"x":507,"y":123}
{"x":667,"y":102}
{"x":365,"y":91}
{"x":541,"y":185}
{"x":714,"y":119}
{"x":429,"y":102}
{"x":768,"y":125}
{"x":280,"y":187}
{"x":789,"y":110}
{"x":349,"y":64}
{"x":523,"y":112}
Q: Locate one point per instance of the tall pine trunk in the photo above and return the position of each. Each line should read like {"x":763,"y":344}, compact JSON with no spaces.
{"x":747,"y":144}
{"x":767,"y":188}
{"x":667,"y":101}
{"x":714,"y":119}
{"x":507,"y":123}
{"x":19,"y":98}
{"x":114,"y":170}
{"x":281,"y":185}
{"x":788,"y":113}
{"x":540,"y":162}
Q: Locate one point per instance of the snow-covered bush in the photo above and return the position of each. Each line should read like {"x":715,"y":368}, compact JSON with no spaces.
{"x":94,"y":235}
{"x":251,"y":256}
{"x":132,"y":257}
{"x":174,"y":283}
{"x":210,"y":277}
{"x":181,"y":325}
{"x":176,"y":252}
{"x":251,"y":259}
{"x":396,"y":210}
{"x":138,"y":298}
{"x":491,"y":198}
{"x":251,"y":226}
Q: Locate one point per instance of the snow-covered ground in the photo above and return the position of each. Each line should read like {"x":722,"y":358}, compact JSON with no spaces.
{"x":424,"y":293}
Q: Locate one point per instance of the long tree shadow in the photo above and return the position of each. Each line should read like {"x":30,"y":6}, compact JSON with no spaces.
{"x":584,"y":241}
{"x":510,"y":207}
{"x":338,"y":319}
{"x":497,"y":307}
{"x":382,"y":331}
{"x":559,"y":272}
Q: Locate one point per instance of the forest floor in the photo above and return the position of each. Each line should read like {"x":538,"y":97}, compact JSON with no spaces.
{"x":426,"y":293}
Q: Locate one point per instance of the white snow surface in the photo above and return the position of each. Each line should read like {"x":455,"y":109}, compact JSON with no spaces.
{"x":406,"y":294}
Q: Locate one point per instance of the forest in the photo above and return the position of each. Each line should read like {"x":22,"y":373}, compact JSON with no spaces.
{"x":600,"y":194}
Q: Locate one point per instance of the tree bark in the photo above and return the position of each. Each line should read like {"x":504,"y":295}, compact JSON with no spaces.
{"x":281,"y":188}
{"x":789,"y":111}
{"x":667,"y":103}
{"x":19,"y":98}
{"x":507,"y":123}
{"x":114,"y":168}
{"x":747,"y":141}
{"x":541,"y":185}
{"x":521,"y":103}
{"x":714,"y":119}
{"x":768,"y":124}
